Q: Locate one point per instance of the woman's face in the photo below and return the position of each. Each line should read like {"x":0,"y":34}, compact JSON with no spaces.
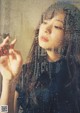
{"x":51,"y":32}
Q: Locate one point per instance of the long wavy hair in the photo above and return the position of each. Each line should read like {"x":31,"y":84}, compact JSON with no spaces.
{"x":71,"y":48}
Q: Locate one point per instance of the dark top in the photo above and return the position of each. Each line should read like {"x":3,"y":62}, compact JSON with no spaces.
{"x":57,"y":96}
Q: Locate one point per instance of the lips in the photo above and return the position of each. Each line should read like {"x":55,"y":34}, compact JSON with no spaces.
{"x":45,"y":39}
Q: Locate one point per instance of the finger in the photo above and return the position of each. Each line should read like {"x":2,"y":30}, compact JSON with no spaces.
{"x":3,"y":60}
{"x":18,"y":55}
{"x":14,"y":54}
{"x":4,"y":47}
{"x":12,"y":44}
{"x":5,"y":41}
{"x":4,"y":50}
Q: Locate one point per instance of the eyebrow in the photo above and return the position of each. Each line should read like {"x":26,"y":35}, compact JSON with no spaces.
{"x":60,"y":21}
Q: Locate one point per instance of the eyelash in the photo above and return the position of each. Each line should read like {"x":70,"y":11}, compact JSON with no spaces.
{"x":57,"y":27}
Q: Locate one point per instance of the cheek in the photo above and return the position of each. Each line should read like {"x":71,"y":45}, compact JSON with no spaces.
{"x":57,"y":33}
{"x":57,"y":38}
{"x":40,"y":32}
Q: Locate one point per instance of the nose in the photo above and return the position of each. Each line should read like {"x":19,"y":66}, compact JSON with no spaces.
{"x":48,"y":28}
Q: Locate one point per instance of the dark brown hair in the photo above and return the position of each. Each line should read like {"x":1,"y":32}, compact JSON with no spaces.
{"x":71,"y":48}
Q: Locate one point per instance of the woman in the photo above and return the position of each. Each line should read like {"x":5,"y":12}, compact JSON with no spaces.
{"x":49,"y":82}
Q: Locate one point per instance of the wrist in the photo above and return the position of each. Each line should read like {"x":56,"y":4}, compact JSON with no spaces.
{"x":6,"y":81}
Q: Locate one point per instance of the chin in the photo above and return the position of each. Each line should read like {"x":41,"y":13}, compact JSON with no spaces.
{"x":44,"y":46}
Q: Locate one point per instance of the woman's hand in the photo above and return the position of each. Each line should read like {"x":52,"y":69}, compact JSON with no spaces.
{"x":10,"y":60}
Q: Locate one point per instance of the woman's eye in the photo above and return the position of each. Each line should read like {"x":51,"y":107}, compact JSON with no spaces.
{"x":61,"y":28}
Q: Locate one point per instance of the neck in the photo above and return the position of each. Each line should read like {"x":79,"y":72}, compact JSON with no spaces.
{"x":52,"y":56}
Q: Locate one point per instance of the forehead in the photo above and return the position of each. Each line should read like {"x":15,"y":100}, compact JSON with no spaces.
{"x":59,"y":15}
{"x":54,"y":13}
